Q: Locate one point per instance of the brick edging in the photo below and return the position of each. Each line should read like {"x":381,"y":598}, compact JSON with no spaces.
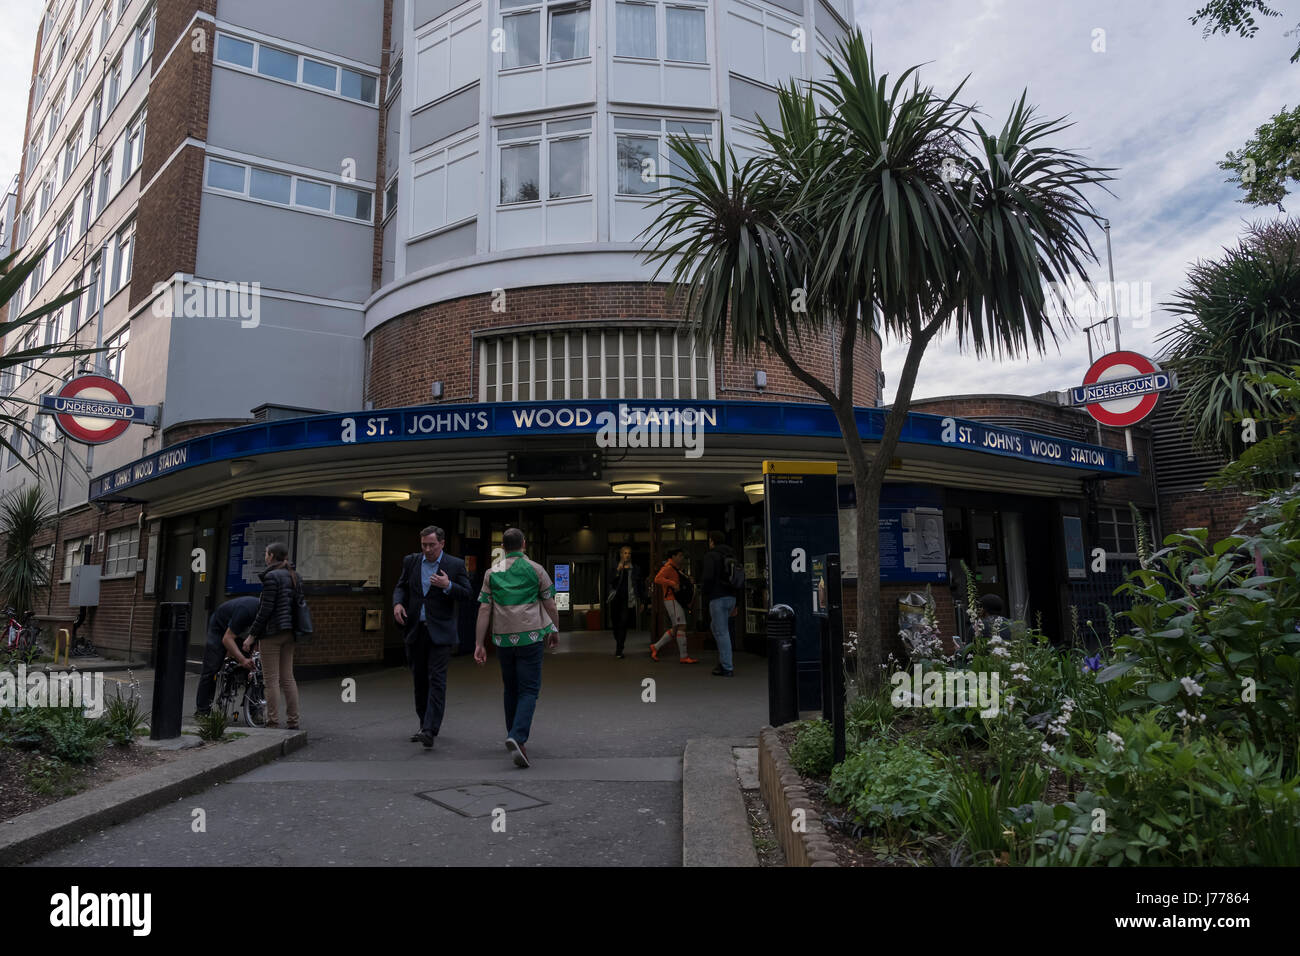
{"x":783,"y":792}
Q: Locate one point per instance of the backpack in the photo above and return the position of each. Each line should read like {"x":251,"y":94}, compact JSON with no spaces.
{"x":685,"y":592}
{"x":302,"y":627}
{"x":733,"y":573}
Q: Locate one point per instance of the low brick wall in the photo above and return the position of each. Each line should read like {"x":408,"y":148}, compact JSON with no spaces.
{"x":783,"y":792}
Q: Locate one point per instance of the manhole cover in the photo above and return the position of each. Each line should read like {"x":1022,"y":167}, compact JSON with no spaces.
{"x":481,"y":799}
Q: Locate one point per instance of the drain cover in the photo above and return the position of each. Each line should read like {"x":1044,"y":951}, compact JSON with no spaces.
{"x":481,"y":799}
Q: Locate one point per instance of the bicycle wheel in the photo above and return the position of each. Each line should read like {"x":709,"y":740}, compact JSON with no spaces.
{"x":254,"y":703}
{"x":227,"y":694}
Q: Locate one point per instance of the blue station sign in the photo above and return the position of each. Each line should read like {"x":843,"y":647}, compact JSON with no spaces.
{"x":352,"y":432}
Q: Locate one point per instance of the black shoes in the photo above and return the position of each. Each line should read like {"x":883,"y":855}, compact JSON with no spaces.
{"x":415,"y":737}
{"x":720,"y":671}
{"x":425,"y":738}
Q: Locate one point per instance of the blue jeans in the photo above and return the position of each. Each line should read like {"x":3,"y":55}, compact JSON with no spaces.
{"x":719,"y":615}
{"x":521,"y":672}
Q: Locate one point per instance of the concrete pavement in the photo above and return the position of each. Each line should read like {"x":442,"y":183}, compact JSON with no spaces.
{"x":605,"y":787}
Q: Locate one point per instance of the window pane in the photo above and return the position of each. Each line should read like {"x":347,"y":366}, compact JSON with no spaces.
{"x":319,"y":74}
{"x":353,"y":203}
{"x":525,"y":376}
{"x":530,"y":131}
{"x":522,"y":39}
{"x":358,"y":86}
{"x":635,"y":155}
{"x":568,"y":172}
{"x":225,"y":176}
{"x":313,"y":195}
{"x":635,"y":24}
{"x":569,"y":33}
{"x":273,"y":187}
{"x":519,"y":173}
{"x":684,"y":28}
{"x":569,"y":126}
{"x":277,"y":63}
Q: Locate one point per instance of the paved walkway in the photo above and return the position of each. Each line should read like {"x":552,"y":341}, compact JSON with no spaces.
{"x":604,"y":788}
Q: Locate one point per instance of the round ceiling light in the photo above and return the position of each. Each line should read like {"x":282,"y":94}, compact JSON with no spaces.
{"x":382,"y":495}
{"x":503,"y":491}
{"x":635,"y":487}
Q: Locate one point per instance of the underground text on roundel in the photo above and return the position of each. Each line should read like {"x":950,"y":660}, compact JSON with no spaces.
{"x":76,"y":909}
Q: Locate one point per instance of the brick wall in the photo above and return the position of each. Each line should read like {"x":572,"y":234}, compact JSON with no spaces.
{"x":1220,"y":511}
{"x":112,"y":624}
{"x":167,"y":223}
{"x":436,"y":342}
{"x":339,"y":636}
{"x":183,"y":433}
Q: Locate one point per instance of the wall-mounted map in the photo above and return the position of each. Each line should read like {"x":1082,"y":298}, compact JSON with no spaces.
{"x":340,"y":551}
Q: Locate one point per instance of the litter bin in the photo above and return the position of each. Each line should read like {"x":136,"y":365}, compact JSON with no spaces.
{"x":782,"y":685}
{"x":169,"y":670}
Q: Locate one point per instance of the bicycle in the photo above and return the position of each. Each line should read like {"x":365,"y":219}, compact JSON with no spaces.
{"x":240,"y":691}
{"x":22,"y":638}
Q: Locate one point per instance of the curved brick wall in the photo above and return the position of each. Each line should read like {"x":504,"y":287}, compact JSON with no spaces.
{"x":436,"y":342}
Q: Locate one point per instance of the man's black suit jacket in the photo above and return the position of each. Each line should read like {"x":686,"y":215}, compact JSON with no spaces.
{"x":440,"y":611}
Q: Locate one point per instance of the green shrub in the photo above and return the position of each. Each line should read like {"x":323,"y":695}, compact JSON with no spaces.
{"x":61,"y":732}
{"x":980,"y":810}
{"x":124,"y":715}
{"x":813,"y":748}
{"x":212,"y":725}
{"x":1167,"y":798}
{"x":890,"y":785}
{"x":1215,"y":644}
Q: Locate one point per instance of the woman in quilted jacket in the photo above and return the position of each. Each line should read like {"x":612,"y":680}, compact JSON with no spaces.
{"x":273,"y":629}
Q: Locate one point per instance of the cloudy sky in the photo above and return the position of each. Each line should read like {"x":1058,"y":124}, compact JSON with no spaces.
{"x":1160,"y":104}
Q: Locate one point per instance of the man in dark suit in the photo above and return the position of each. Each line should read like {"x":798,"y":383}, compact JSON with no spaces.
{"x":425,"y":600}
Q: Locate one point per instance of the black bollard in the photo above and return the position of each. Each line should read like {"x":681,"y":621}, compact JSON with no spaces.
{"x":782,"y":687}
{"x":169,"y":670}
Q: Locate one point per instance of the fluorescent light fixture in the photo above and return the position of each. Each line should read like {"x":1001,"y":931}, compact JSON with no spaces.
{"x":503,"y":491}
{"x":635,"y":487}
{"x":385,"y":495}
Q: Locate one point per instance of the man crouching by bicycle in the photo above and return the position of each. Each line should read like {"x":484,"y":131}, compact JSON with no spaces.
{"x":227,"y":626}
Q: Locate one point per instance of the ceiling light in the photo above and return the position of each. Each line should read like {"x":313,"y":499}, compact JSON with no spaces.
{"x":381,"y":495}
{"x":503,"y":491}
{"x":753,"y":488}
{"x":635,"y":487}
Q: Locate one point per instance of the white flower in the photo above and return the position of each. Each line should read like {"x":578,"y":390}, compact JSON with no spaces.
{"x":1000,"y":652}
{"x":1116,"y":741}
{"x":1193,"y":689}
{"x":1048,"y":748}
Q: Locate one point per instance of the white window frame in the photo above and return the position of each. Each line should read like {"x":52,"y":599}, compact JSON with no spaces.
{"x":142,"y":40}
{"x":121,"y":551}
{"x":246,"y":193}
{"x":74,"y":550}
{"x":123,"y":250}
{"x":544,"y":10}
{"x":115,"y":354}
{"x":340,"y":70}
{"x":548,"y":132}
{"x":668,"y":126}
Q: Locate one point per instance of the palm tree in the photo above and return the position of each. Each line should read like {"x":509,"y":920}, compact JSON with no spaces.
{"x":13,"y":273}
{"x":1241,"y":321}
{"x":886,"y":207}
{"x":24,"y":513}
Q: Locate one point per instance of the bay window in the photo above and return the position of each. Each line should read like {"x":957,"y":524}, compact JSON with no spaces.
{"x":557,"y":153}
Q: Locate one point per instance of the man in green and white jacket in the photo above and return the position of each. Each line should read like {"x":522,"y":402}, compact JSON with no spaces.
{"x":517,"y":605}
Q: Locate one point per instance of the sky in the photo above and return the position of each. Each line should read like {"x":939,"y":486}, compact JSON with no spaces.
{"x":1148,"y":96}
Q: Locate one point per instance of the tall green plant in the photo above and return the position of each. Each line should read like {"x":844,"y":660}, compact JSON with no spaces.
{"x":24,"y":513}
{"x":883,"y":207}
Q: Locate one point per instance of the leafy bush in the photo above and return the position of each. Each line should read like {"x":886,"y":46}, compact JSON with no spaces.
{"x":812,"y":752}
{"x":212,"y":725}
{"x":1157,"y":797}
{"x":980,"y":810}
{"x":61,"y":732}
{"x":890,"y":785}
{"x":124,"y":715}
{"x":1215,"y":643}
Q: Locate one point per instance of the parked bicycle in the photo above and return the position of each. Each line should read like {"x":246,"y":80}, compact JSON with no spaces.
{"x":21,"y":638}
{"x":241,"y":693}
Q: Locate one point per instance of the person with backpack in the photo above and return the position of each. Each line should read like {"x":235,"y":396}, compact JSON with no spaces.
{"x":722,"y":578}
{"x":678,"y":592}
{"x":273,"y":630}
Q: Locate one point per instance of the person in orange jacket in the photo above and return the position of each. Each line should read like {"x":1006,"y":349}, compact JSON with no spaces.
{"x":669,"y":580}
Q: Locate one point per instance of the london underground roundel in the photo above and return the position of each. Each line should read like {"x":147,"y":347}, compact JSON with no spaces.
{"x":1122,"y":388}
{"x":105,"y":409}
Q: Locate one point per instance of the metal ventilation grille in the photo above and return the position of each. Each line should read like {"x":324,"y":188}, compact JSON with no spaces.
{"x":1180,"y":464}
{"x":1038,"y":426}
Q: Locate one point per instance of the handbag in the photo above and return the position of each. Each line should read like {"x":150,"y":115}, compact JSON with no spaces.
{"x":302,"y":626}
